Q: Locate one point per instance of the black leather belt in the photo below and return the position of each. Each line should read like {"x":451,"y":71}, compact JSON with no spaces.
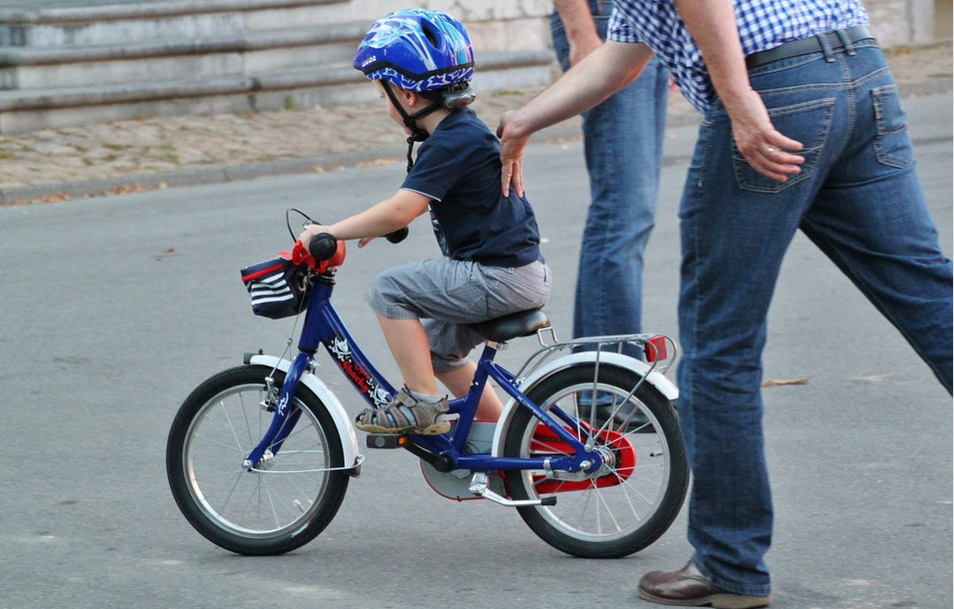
{"x":808,"y":45}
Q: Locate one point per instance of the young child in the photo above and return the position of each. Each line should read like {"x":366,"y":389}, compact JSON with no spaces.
{"x":422,"y":61}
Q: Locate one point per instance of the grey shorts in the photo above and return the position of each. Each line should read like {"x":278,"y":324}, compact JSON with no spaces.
{"x":445,"y":294}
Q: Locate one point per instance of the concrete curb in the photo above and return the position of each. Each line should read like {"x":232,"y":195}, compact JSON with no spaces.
{"x":223,"y":173}
{"x":219,"y":174}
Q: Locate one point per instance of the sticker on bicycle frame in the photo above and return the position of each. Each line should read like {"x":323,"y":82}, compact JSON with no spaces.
{"x":341,"y":350}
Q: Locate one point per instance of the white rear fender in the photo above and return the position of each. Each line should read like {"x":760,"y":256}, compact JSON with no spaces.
{"x":658,"y":381}
{"x":349,"y":440}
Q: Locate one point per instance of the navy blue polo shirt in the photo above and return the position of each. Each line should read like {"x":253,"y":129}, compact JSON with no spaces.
{"x":458,"y":168}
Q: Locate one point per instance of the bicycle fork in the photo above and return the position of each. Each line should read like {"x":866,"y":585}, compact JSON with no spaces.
{"x":283,"y":421}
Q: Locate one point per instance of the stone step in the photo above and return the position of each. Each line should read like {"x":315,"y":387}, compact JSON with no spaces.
{"x":72,"y":62}
{"x":179,"y":59}
{"x":31,"y":110}
{"x":82,"y":23}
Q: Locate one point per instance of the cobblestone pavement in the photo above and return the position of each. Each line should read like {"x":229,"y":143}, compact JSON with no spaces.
{"x":131,"y":155}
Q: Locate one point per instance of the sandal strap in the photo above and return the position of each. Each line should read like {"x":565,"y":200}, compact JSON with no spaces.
{"x":404,"y":413}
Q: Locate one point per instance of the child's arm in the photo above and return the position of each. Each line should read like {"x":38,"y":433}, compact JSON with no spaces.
{"x":378,"y":220}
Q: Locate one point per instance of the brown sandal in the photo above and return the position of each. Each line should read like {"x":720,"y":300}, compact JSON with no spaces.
{"x":405,"y":414}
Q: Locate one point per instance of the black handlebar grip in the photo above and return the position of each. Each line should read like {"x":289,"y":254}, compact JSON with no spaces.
{"x":323,"y":246}
{"x":398,"y":235}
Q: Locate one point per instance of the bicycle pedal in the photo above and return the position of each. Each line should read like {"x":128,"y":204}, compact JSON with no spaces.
{"x":384,"y":440}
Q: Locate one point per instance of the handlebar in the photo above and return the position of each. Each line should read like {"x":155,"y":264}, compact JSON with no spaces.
{"x":323,"y":245}
{"x":398,"y":235}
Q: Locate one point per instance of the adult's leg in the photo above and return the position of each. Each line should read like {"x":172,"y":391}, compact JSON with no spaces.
{"x":623,"y":140}
{"x":726,"y":288}
{"x":873,"y":223}
{"x":736,"y":226}
{"x":623,"y":147}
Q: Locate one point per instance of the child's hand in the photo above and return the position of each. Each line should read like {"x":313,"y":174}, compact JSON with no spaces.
{"x":365,"y":241}
{"x":310,"y":231}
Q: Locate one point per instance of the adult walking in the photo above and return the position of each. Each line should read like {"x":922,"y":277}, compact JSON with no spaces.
{"x":628,"y":125}
{"x":803,"y":130}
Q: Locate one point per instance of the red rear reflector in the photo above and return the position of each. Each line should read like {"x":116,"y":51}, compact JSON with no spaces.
{"x":656,"y":348}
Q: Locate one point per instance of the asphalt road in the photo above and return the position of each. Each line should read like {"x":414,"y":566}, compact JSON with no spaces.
{"x":112,"y":309}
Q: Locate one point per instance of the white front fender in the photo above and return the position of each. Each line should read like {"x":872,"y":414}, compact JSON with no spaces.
{"x":349,"y":440}
{"x":658,"y":380}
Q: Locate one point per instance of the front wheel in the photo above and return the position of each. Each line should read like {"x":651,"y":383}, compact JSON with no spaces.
{"x":275,"y":506}
{"x":635,"y":497}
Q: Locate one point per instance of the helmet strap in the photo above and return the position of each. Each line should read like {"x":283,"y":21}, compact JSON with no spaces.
{"x":410,"y":121}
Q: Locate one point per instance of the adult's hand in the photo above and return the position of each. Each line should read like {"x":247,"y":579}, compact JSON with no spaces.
{"x":512,"y":145}
{"x":766,"y":150}
{"x":713,"y":27}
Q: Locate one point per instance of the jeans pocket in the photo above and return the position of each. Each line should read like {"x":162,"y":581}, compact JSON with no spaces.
{"x":808,"y":123}
{"x":891,"y":143}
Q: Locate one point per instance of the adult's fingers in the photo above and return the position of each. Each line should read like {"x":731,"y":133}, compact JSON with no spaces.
{"x":511,"y":159}
{"x":773,"y":157}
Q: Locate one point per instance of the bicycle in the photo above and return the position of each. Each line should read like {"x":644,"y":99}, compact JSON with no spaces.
{"x":588,"y":449}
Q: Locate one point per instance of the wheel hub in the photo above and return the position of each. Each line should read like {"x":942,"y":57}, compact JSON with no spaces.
{"x":608,"y":455}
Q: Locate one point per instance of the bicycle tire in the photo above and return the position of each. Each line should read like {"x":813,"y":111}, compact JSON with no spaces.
{"x":625,"y":509}
{"x":285,"y":502}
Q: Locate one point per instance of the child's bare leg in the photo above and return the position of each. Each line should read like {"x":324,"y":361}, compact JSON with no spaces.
{"x":417,"y":408}
{"x":458,"y":381}
{"x":408,"y":343}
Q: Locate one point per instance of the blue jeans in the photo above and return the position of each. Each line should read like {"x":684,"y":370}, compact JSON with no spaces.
{"x":859,"y":200}
{"x":622,"y":139}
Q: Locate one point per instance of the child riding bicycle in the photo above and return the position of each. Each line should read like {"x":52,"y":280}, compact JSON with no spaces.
{"x":422,"y":62}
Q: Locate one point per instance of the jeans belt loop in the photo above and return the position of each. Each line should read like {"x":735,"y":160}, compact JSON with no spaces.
{"x":826,"y":47}
{"x":846,"y":42}
{"x":841,"y":39}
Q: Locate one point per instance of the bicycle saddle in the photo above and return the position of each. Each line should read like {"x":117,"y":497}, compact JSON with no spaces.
{"x":502,"y":329}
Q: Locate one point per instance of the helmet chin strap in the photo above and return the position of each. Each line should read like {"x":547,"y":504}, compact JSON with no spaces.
{"x":410,"y":121}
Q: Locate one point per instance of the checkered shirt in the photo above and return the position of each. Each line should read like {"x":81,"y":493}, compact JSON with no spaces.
{"x":763,"y":24}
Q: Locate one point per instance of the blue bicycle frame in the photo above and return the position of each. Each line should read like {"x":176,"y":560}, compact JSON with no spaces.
{"x":323,"y":326}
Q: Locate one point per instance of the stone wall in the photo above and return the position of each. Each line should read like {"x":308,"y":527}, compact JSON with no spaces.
{"x":902,"y":22}
{"x":511,"y":25}
{"x":522,"y":24}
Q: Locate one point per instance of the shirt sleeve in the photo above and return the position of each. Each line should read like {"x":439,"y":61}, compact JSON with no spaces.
{"x":618,"y":30}
{"x":435,"y":171}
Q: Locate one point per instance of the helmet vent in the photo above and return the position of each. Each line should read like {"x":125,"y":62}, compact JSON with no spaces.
{"x":430,"y":34}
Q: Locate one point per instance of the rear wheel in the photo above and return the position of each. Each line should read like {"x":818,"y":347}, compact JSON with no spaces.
{"x":275,"y":506}
{"x":634,"y":499}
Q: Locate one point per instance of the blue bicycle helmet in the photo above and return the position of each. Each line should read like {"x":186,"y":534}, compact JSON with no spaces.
{"x":424,"y":51}
{"x":418,"y":50}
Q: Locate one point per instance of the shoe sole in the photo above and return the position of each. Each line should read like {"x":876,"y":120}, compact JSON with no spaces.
{"x":433,"y":430}
{"x":716,"y":601}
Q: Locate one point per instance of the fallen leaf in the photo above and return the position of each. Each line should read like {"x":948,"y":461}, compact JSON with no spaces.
{"x":165,"y":254}
{"x":780,"y":382}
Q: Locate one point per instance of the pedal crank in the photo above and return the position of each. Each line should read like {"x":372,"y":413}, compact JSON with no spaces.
{"x":384,"y":440}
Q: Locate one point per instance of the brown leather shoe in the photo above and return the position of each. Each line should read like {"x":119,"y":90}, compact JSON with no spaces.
{"x":689,"y":588}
